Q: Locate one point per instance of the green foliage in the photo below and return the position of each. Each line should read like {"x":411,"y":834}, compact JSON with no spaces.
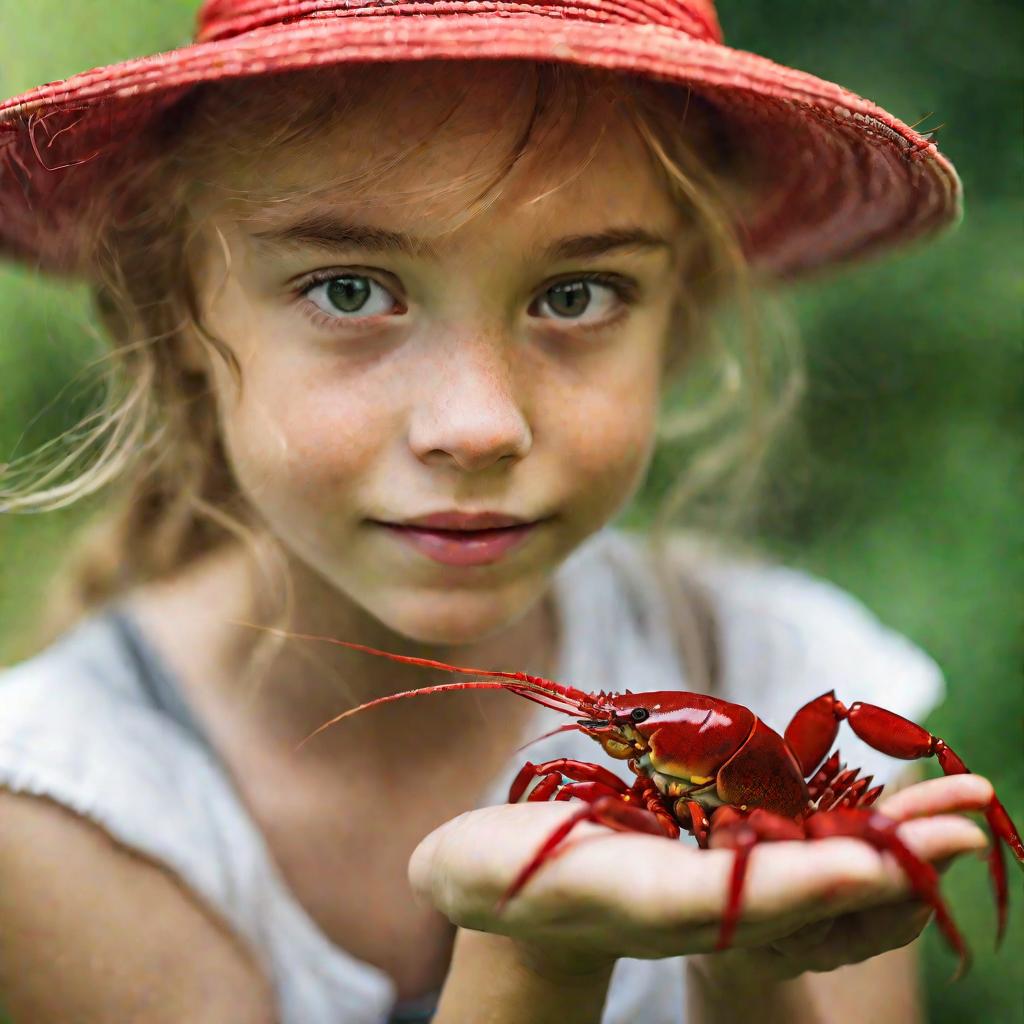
{"x":902,"y":481}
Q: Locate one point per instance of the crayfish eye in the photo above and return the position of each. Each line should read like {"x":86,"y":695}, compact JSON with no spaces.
{"x":639,"y":714}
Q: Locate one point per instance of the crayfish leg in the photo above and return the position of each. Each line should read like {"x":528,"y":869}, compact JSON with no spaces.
{"x":899,"y":737}
{"x":579,"y":771}
{"x":735,"y":830}
{"x":605,"y":810}
{"x":813,"y":729}
{"x":880,"y":831}
{"x":697,"y":818}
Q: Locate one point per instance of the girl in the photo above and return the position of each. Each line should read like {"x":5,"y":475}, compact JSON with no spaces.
{"x":393,"y":301}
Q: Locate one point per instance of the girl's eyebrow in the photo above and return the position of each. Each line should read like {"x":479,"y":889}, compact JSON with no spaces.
{"x":325,"y":231}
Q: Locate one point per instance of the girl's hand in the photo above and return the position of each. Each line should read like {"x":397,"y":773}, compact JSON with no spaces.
{"x":811,"y":905}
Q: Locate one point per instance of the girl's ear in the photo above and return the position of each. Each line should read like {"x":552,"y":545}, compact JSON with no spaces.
{"x":198,"y":350}
{"x":192,"y":351}
{"x":192,"y":341}
{"x":197,"y":346}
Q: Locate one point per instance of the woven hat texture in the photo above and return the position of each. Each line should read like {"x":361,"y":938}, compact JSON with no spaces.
{"x":839,"y":178}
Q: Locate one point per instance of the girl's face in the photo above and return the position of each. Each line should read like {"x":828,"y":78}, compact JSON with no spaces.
{"x":389,"y":372}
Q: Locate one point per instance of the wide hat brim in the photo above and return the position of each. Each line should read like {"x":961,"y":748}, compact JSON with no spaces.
{"x":839,"y":178}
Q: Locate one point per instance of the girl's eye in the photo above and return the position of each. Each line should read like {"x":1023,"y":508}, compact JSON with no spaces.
{"x":347,"y":296}
{"x":570,"y":300}
{"x":355,"y":297}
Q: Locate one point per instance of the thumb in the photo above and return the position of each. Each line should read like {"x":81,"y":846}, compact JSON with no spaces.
{"x":421,"y":867}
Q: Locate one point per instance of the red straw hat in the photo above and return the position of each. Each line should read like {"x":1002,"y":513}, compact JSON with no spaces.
{"x":839,"y":177}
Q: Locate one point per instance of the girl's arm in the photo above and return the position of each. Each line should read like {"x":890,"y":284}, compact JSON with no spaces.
{"x":883,"y":990}
{"x":91,"y":933}
{"x":494,"y":979}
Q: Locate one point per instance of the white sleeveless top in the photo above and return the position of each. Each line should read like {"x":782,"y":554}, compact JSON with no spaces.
{"x":97,"y":724}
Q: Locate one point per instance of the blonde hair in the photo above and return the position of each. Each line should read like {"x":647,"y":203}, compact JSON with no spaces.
{"x":156,"y":438}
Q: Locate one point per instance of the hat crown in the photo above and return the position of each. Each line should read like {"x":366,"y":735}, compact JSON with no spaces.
{"x":225,"y":19}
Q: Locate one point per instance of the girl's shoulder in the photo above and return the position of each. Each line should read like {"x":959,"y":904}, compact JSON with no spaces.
{"x":96,"y":683}
{"x":96,"y":724}
{"x":82,"y":724}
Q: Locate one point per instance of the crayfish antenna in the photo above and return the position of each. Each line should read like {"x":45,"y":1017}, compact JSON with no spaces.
{"x":537,"y":695}
{"x":546,"y":692}
{"x":443,"y":688}
{"x":586,"y":701}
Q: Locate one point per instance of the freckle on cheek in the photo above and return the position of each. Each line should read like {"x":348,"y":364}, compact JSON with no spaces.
{"x":328,"y":449}
{"x":604,"y":443}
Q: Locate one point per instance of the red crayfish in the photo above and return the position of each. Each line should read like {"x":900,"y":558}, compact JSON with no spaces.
{"x":715,"y":769}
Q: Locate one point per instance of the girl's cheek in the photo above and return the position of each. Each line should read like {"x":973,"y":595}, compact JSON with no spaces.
{"x":296,"y":431}
{"x":297,"y":444}
{"x":609,"y":428}
{"x":610,"y":463}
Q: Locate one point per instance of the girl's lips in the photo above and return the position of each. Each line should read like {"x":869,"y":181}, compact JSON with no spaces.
{"x":462,"y":547}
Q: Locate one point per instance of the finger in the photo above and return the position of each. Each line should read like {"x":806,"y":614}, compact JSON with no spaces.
{"x":472,"y":859}
{"x":942,"y":838}
{"x":806,"y":937}
{"x":609,"y":880}
{"x":842,"y":876}
{"x":852,"y":938}
{"x":939,"y":796}
{"x":828,"y":876}
{"x":897,"y":924}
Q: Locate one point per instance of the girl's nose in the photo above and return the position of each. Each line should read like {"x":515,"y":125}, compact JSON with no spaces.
{"x":468,"y":412}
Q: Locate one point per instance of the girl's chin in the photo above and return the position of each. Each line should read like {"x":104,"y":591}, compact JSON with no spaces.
{"x":445,"y":633}
{"x":457,"y":621}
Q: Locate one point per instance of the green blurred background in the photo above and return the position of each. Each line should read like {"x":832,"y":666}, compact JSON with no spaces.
{"x":902,"y":483}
